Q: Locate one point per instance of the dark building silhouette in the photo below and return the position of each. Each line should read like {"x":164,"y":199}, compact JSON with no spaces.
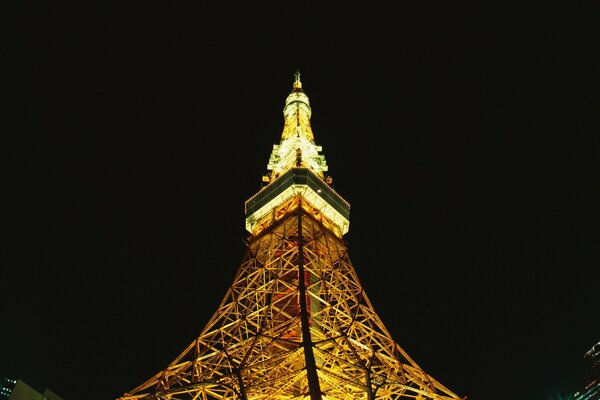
{"x":590,"y":389}
{"x":16,"y":389}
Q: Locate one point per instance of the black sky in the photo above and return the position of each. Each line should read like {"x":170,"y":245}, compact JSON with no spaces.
{"x":463,"y":136}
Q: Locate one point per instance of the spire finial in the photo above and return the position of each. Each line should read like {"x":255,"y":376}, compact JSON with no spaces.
{"x":297,"y":83}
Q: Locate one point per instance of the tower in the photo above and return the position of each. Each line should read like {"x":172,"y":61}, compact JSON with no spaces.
{"x":296,"y":322}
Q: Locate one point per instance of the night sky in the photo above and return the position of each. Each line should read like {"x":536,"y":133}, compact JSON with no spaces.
{"x":464,"y":136}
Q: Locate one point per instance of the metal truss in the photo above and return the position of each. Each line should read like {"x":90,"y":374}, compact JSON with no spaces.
{"x":295,"y":324}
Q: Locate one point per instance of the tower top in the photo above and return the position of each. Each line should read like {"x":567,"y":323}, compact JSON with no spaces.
{"x":297,"y":83}
{"x":296,"y":165}
{"x":297,"y":147}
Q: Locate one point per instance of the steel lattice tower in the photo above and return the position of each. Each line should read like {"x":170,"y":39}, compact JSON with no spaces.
{"x":296,"y":322}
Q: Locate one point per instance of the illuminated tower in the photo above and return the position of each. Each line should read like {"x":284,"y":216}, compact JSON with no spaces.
{"x":296,"y":322}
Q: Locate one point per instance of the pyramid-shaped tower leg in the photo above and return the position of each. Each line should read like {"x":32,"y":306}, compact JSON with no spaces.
{"x":295,"y":324}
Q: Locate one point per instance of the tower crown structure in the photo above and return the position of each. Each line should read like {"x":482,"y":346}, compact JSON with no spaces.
{"x":296,"y":322}
{"x":297,"y":166}
{"x":297,"y":147}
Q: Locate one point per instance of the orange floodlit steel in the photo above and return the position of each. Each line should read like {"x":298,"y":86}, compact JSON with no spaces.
{"x":296,"y":322}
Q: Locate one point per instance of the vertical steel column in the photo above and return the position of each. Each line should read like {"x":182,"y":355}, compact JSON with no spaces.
{"x":314,"y":387}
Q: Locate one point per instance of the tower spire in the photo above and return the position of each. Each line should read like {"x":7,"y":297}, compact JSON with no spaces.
{"x":297,"y":83}
{"x":297,"y":143}
{"x":297,"y":159}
